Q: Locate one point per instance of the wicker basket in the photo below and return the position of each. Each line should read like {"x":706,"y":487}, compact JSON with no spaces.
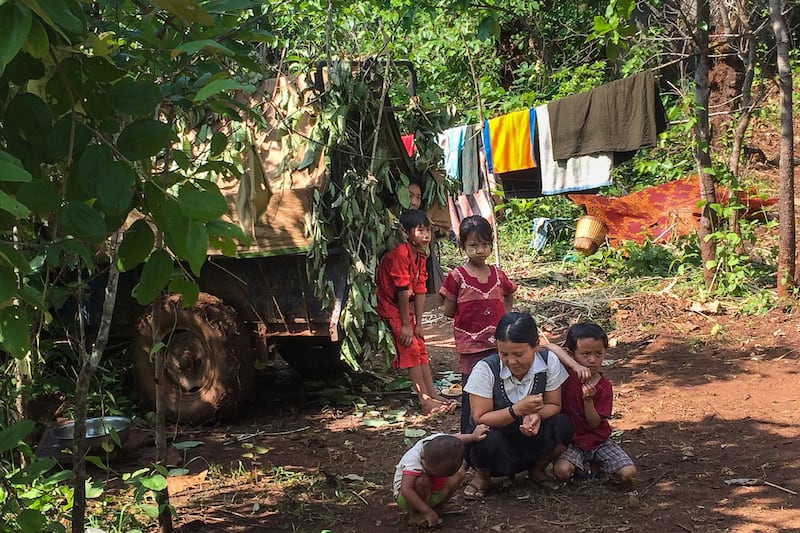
{"x":590,"y":232}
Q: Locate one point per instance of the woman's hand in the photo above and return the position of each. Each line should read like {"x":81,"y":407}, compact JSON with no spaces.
{"x":530,"y":425}
{"x":529,"y":404}
{"x":419,"y":331}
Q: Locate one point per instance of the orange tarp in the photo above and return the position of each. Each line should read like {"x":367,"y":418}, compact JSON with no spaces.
{"x":661,"y":212}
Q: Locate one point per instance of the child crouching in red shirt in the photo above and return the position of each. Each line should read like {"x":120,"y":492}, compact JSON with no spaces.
{"x":401,"y":280}
{"x":588,"y":406}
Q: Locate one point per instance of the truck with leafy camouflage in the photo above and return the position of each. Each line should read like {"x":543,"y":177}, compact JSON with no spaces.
{"x":320,"y":165}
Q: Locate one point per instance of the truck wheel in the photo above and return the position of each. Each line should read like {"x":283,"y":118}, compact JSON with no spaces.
{"x":312,"y":358}
{"x":208,"y":359}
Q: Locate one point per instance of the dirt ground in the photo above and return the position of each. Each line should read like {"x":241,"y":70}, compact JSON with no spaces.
{"x":699,"y":400}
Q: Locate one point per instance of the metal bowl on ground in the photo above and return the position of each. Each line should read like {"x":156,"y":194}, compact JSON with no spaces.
{"x":98,"y":431}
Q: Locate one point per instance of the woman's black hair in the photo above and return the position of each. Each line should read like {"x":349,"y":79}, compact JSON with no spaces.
{"x":474,"y":224}
{"x":584,"y":330}
{"x":414,"y":218}
{"x":518,"y":327}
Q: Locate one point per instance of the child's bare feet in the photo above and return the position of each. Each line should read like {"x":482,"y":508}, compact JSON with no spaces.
{"x":432,"y":406}
{"x":440,"y":398}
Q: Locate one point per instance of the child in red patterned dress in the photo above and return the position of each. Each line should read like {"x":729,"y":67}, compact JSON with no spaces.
{"x":477,"y":296}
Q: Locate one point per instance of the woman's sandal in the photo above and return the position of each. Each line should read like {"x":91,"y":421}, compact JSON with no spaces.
{"x":473,"y":492}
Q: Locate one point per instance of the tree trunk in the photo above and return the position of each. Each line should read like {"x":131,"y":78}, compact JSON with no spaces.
{"x":708,"y":219}
{"x":746,"y":51}
{"x":787,"y":250}
{"x":162,"y":497}
{"x":88,"y":369}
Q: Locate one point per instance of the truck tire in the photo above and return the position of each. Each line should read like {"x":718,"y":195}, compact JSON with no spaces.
{"x":311,"y":357}
{"x":208,"y":359}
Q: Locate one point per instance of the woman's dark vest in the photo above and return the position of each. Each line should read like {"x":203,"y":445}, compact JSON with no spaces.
{"x":500,"y":398}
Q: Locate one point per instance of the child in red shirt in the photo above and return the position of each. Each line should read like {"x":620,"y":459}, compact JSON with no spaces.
{"x":401,"y":279}
{"x":588,"y":406}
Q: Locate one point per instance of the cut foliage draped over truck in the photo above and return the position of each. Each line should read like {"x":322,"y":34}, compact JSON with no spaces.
{"x":321,"y":164}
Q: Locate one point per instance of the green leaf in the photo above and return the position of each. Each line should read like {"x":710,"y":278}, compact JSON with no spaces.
{"x":11,"y":169}
{"x":188,"y":11}
{"x":57,"y":142}
{"x":374,"y":422}
{"x":187,"y":444}
{"x":181,"y":159}
{"x":88,"y":169}
{"x":156,"y":482}
{"x":414,"y":433}
{"x":102,"y":70}
{"x":15,"y":24}
{"x":218,"y":86}
{"x":136,"y":98}
{"x":202,"y":205}
{"x":31,"y":520}
{"x":96,"y":461}
{"x":189,"y":240}
{"x":208,"y":45}
{"x":38,"y":43}
{"x":188,"y":289}
{"x":24,"y":67}
{"x":11,"y":205}
{"x":218,"y":143}
{"x":149,"y":509}
{"x":40,"y":196}
{"x":256,"y":36}
{"x":226,"y":6}
{"x":488,"y":27}
{"x":83,"y":222}
{"x":61,"y":15}
{"x":14,"y":434}
{"x":8,"y":283}
{"x":155,"y":276}
{"x":28,"y":117}
{"x":93,"y":489}
{"x":80,"y":250}
{"x":32,"y":472}
{"x":15,"y":325}
{"x":143,"y":138}
{"x":137,"y":243}
{"x":164,"y":208}
{"x":57,"y":93}
{"x":115,"y":188}
{"x":13,"y":257}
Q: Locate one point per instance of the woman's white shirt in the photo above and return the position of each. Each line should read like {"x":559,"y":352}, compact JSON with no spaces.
{"x":481,"y":379}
